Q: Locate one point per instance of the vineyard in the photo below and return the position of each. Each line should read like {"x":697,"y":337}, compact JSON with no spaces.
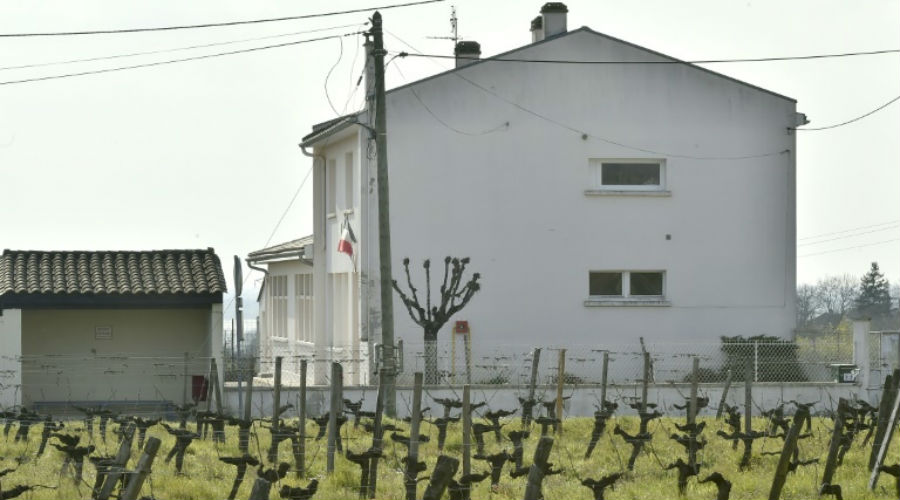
{"x":511,"y":457}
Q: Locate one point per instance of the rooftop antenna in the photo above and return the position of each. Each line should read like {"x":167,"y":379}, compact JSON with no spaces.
{"x":453,"y":29}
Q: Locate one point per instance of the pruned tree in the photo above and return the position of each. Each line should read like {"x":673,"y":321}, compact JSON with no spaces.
{"x":432,"y":316}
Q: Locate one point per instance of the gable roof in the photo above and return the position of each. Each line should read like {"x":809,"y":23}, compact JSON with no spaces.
{"x":293,"y":248}
{"x":329,"y":127}
{"x":60,"y":275}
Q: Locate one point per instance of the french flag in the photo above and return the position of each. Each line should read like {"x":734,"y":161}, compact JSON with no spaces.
{"x":347,"y":239}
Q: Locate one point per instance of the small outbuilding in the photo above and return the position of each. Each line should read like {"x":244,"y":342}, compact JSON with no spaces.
{"x":93,"y":328}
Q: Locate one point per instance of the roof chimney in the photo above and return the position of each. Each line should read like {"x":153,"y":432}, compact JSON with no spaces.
{"x":466,"y":53}
{"x":537,"y":29}
{"x":554,"y":14}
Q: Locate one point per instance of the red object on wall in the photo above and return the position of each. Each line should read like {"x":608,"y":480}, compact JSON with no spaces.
{"x":199,"y":388}
{"x":461,"y":327}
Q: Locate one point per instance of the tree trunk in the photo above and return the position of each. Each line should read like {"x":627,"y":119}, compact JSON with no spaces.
{"x":431,"y":363}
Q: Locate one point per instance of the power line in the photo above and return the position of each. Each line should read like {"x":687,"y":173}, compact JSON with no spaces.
{"x":674,"y":61}
{"x":171,"y":61}
{"x":849,"y":248}
{"x":849,"y":230}
{"x":860,"y":117}
{"x":215,"y":25}
{"x":848,"y":236}
{"x":176,"y":49}
{"x":274,"y":230}
{"x":328,"y":75}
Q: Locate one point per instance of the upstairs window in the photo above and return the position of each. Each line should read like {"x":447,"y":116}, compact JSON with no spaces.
{"x":627,"y":284}
{"x":627,"y":175}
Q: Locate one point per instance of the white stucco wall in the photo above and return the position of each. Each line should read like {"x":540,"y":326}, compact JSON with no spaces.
{"x":514,"y":201}
{"x":10,"y":350}
{"x":143,"y":360}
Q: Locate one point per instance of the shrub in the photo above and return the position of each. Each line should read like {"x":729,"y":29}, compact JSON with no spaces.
{"x":774,"y":359}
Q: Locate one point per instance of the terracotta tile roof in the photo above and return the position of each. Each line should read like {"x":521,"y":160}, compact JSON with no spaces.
{"x":155,"y":272}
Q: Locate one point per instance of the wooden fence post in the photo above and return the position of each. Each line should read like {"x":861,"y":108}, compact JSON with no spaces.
{"x":249,"y":397}
{"x":337,"y":403}
{"x":560,"y":383}
{"x":538,"y":468}
{"x":535,"y":361}
{"x":790,"y":443}
{"x":216,"y":385}
{"x":888,"y":395}
{"x":184,"y":399}
{"x":377,"y":435}
{"x":260,"y":490}
{"x":301,"y":423}
{"x":413,"y":456}
{"x":466,"y":430}
{"x":142,"y":471}
{"x":121,"y":462}
{"x":695,"y":380}
{"x":603,"y":380}
{"x":276,"y":395}
{"x":886,"y":440}
{"x":834,"y":446}
{"x":721,"y":407}
{"x":645,"y":382}
{"x":443,"y":472}
{"x":748,"y":398}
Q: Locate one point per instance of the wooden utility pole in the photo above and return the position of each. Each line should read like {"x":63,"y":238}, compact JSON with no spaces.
{"x":384,"y":223}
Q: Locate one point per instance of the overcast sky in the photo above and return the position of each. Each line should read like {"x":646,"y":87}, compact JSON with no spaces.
{"x":204,"y":153}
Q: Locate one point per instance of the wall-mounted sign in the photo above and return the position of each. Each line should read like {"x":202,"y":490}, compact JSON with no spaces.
{"x":103,"y":332}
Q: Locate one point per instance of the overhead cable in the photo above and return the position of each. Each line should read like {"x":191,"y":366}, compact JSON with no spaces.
{"x":215,"y":25}
{"x":852,"y":120}
{"x":667,"y":61}
{"x":172,"y":61}
{"x":174,"y":49}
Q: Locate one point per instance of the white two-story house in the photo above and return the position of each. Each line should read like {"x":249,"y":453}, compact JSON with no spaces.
{"x":604,"y":191}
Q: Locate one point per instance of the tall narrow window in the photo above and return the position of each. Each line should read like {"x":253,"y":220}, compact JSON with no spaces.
{"x":348,"y":181}
{"x":304,"y":307}
{"x":331,"y":187}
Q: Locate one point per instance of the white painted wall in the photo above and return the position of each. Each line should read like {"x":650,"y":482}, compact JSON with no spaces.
{"x":514,"y":199}
{"x":10,"y":350}
{"x":64,"y":361}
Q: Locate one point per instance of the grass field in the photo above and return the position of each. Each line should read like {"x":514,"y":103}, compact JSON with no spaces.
{"x":205,"y":477}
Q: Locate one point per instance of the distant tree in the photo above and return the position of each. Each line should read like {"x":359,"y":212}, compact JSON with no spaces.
{"x":874,"y":293}
{"x":836,"y":295}
{"x":455,"y":294}
{"x":807,"y":305}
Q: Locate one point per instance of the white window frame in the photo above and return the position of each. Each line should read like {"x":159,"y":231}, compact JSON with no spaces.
{"x":626,"y":299}
{"x":597,"y":188}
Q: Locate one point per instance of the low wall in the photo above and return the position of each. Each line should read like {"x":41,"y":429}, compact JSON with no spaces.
{"x":581,"y":402}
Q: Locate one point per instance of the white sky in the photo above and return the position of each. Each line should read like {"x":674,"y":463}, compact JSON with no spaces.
{"x":204,"y":153}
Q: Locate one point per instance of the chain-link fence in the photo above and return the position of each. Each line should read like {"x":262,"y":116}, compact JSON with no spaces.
{"x":801,"y":361}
